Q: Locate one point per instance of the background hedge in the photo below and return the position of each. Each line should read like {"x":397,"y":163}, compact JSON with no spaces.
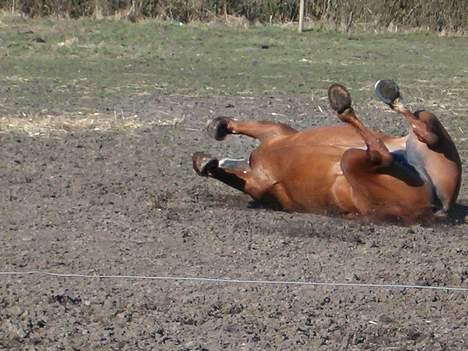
{"x":435,"y":15}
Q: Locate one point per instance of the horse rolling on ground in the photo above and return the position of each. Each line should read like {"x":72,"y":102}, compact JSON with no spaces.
{"x":346,"y":168}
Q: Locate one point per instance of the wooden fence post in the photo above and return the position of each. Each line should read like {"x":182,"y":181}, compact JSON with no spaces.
{"x":301,"y":16}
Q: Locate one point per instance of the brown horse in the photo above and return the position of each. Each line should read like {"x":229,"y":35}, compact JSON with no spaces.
{"x":346,"y":168}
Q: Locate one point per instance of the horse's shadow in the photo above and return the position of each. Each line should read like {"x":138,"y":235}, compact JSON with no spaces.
{"x":458,"y":213}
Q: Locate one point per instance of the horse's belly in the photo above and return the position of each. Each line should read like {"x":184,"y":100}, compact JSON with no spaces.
{"x":309,"y":180}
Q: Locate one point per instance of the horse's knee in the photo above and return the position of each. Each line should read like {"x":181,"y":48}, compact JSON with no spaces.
{"x":369,"y":160}
{"x":350,"y":159}
{"x":428,"y":129}
{"x":426,"y":116}
{"x":355,"y":161}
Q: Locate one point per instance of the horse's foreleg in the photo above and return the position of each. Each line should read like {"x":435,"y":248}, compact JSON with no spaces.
{"x":220,"y":127}
{"x":237,"y":175}
{"x":378,"y":155}
{"x":441,"y":160}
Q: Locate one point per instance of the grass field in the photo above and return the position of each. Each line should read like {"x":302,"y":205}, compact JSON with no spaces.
{"x":73,"y":74}
{"x":86,"y":65}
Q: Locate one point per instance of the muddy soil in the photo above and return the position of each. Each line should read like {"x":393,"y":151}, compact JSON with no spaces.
{"x":128,"y":203}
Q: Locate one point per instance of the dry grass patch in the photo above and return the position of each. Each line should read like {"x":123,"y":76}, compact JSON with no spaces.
{"x":45,"y":125}
{"x":56,"y":125}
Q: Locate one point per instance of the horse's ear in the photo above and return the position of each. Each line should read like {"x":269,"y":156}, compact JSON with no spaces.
{"x":339,"y":97}
{"x":387,"y":91}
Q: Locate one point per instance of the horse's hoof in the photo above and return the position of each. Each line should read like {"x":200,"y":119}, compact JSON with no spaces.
{"x":387,"y":91}
{"x":340,"y":99}
{"x":203,"y":163}
{"x":217,"y":128}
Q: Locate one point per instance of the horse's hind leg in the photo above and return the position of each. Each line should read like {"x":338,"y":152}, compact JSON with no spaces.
{"x":380,"y":187}
{"x":425,"y":125}
{"x":238,"y":175}
{"x":441,"y":159}
{"x":220,"y":127}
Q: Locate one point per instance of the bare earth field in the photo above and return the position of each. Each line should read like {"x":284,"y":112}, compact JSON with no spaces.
{"x":96,"y":179}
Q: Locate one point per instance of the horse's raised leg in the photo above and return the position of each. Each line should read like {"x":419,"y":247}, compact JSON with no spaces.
{"x":440,"y":158}
{"x":425,"y":126}
{"x":380,"y":186}
{"x":220,"y":127}
{"x":237,"y":175}
{"x":378,"y":155}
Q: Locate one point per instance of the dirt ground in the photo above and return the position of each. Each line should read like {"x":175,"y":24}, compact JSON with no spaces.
{"x":126,"y":202}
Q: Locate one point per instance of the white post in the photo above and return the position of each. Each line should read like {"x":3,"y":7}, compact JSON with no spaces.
{"x":301,"y":16}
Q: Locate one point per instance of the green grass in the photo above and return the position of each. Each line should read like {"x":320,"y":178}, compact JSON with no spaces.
{"x":85,"y":63}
